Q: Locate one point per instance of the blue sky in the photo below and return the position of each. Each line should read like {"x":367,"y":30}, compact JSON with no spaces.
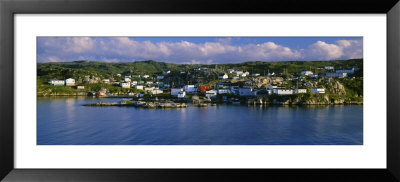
{"x":197,"y":50}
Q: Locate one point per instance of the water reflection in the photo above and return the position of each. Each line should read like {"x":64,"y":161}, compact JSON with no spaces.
{"x":64,"y":121}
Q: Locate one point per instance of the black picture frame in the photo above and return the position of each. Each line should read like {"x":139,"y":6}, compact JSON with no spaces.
{"x":9,"y":8}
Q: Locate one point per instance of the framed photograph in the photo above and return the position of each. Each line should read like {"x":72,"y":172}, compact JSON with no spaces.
{"x":131,"y":90}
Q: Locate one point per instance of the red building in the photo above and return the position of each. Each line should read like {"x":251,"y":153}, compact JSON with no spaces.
{"x":204,"y":88}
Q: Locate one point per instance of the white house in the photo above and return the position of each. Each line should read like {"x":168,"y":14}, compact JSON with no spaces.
{"x":238,"y":73}
{"x":135,"y":76}
{"x":225,"y":76}
{"x":189,"y":88}
{"x":149,"y":88}
{"x":127,"y":79}
{"x":69,"y":82}
{"x":282,"y":91}
{"x":246,"y":91}
{"x":139,"y":87}
{"x":118,"y":74}
{"x":211,"y":93}
{"x":272,"y":87}
{"x":127,"y":76}
{"x":329,"y":67}
{"x":339,"y":75}
{"x":306,"y":73}
{"x":175,"y":91}
{"x":318,"y":90}
{"x":146,"y":76}
{"x":125,"y":84}
{"x":271,"y":74}
{"x":247,"y":73}
{"x":106,"y":81}
{"x":300,"y":91}
{"x":182,"y":94}
{"x":157,"y":91}
{"x":167,"y":72}
{"x":80,"y":87}
{"x":350,"y":71}
{"x":256,"y":74}
{"x":134,"y":83}
{"x":231,"y":70}
{"x":149,"y":82}
{"x":243,"y":75}
{"x":160,"y":77}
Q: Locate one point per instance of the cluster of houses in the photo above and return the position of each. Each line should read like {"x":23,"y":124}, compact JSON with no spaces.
{"x":155,"y":85}
{"x":244,"y":92}
{"x":343,"y":73}
{"x":66,"y":82}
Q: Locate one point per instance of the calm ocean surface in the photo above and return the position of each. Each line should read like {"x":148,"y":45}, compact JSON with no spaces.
{"x":64,"y":121}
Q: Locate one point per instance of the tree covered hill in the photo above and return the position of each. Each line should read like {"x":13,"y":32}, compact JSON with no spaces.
{"x":62,"y":70}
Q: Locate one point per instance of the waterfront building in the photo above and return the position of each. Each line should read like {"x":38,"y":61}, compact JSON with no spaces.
{"x":57,"y":82}
{"x":182,"y":94}
{"x":69,"y":82}
{"x":318,"y":90}
{"x":282,"y":91}
{"x":300,"y":91}
{"x":338,"y":75}
{"x":204,"y":88}
{"x":246,"y":91}
{"x":190,"y":88}
{"x":175,"y":91}
{"x":211,"y":93}
{"x":306,"y":73}
{"x":125,"y":84}
{"x":225,"y":76}
{"x":223,"y":91}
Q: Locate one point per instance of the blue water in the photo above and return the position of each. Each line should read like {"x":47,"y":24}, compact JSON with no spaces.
{"x":64,"y":121}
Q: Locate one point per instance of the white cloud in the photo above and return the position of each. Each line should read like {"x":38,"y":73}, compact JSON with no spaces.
{"x":221,"y":51}
{"x":343,"y":49}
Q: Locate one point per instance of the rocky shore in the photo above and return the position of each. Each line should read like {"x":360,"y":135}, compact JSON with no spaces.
{"x":142,"y":104}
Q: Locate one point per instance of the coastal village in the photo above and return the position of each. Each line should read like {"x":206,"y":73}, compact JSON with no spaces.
{"x":322,"y":85}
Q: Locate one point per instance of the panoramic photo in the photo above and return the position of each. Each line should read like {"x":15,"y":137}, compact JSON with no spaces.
{"x":199,"y":91}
